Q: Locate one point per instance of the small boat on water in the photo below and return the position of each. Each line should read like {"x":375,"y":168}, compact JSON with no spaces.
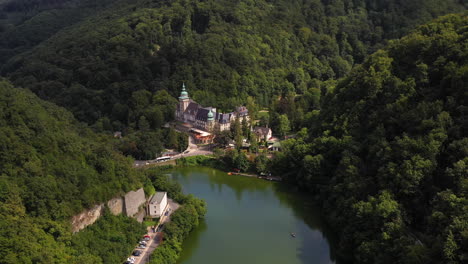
{"x":293,"y":234}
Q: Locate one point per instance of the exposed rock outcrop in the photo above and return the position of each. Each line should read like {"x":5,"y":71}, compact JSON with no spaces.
{"x":130,"y":205}
{"x":116,"y":205}
{"x":86,"y":218}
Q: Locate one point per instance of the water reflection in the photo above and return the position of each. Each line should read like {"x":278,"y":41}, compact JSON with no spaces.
{"x":194,"y":241}
{"x":306,"y":210}
{"x":250,"y":221}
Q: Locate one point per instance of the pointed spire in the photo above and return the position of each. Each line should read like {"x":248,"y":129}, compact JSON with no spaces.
{"x":183,"y":94}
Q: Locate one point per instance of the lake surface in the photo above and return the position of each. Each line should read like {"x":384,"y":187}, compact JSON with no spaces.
{"x":249,"y":220}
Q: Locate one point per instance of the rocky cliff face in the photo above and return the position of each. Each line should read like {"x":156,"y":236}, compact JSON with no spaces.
{"x":128,"y":205}
{"x":116,"y":205}
{"x":86,"y":218}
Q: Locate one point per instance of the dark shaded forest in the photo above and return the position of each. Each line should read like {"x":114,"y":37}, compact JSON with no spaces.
{"x":224,"y":50}
{"x":26,"y":23}
{"x":387,"y":155}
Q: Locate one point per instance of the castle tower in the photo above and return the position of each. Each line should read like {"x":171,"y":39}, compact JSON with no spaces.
{"x":210,"y":121}
{"x":184,"y":99}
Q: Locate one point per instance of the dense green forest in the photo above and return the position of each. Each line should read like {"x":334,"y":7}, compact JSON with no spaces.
{"x":110,"y":240}
{"x":59,"y":165}
{"x":51,"y":167}
{"x":387,"y":155}
{"x":26,"y":23}
{"x":224,"y":50}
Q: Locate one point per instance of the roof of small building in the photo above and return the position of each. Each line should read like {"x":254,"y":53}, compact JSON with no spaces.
{"x":276,"y":145}
{"x":223,"y":118}
{"x":262,"y":130}
{"x":157,"y":197}
{"x":242,"y":110}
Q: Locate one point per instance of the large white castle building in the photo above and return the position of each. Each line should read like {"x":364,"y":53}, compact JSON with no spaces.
{"x":206,"y":118}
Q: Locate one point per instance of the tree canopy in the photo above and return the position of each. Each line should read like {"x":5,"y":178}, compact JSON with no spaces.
{"x":51,"y":167}
{"x":387,"y":152}
{"x":226,"y":51}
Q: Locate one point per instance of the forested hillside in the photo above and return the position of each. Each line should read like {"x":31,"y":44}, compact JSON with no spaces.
{"x":51,"y":167}
{"x":224,"y":50}
{"x":388,"y":152}
{"x":25,"y":23}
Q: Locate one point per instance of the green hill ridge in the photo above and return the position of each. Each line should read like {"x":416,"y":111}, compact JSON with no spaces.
{"x":52,"y":167}
{"x":387,"y":154}
{"x":224,"y":50}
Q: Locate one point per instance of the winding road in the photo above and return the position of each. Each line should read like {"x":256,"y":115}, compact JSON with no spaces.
{"x":192,"y":150}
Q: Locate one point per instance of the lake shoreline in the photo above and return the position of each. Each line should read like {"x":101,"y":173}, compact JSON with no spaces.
{"x":273,"y":210}
{"x":212,"y":162}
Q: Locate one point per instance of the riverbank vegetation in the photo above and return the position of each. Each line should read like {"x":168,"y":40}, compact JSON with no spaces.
{"x":183,"y":220}
{"x":230,"y":160}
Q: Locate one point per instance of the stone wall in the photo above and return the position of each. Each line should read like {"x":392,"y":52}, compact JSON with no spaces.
{"x":133,"y":201}
{"x":140,"y":216}
{"x":86,"y":218}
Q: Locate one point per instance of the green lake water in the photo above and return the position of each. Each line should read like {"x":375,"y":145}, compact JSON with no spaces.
{"x":249,"y":220}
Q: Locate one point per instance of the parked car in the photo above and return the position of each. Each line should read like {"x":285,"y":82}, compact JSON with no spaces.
{"x":147,"y":238}
{"x":141,"y":246}
{"x":166,"y":213}
{"x":142,"y":242}
{"x":136,"y":253}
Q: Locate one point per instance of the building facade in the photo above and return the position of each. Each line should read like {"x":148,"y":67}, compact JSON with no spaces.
{"x":157,"y":204}
{"x":206,"y":118}
{"x":263,"y":133}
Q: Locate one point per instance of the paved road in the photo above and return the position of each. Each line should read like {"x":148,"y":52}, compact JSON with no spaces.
{"x":156,"y":237}
{"x":192,"y":150}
